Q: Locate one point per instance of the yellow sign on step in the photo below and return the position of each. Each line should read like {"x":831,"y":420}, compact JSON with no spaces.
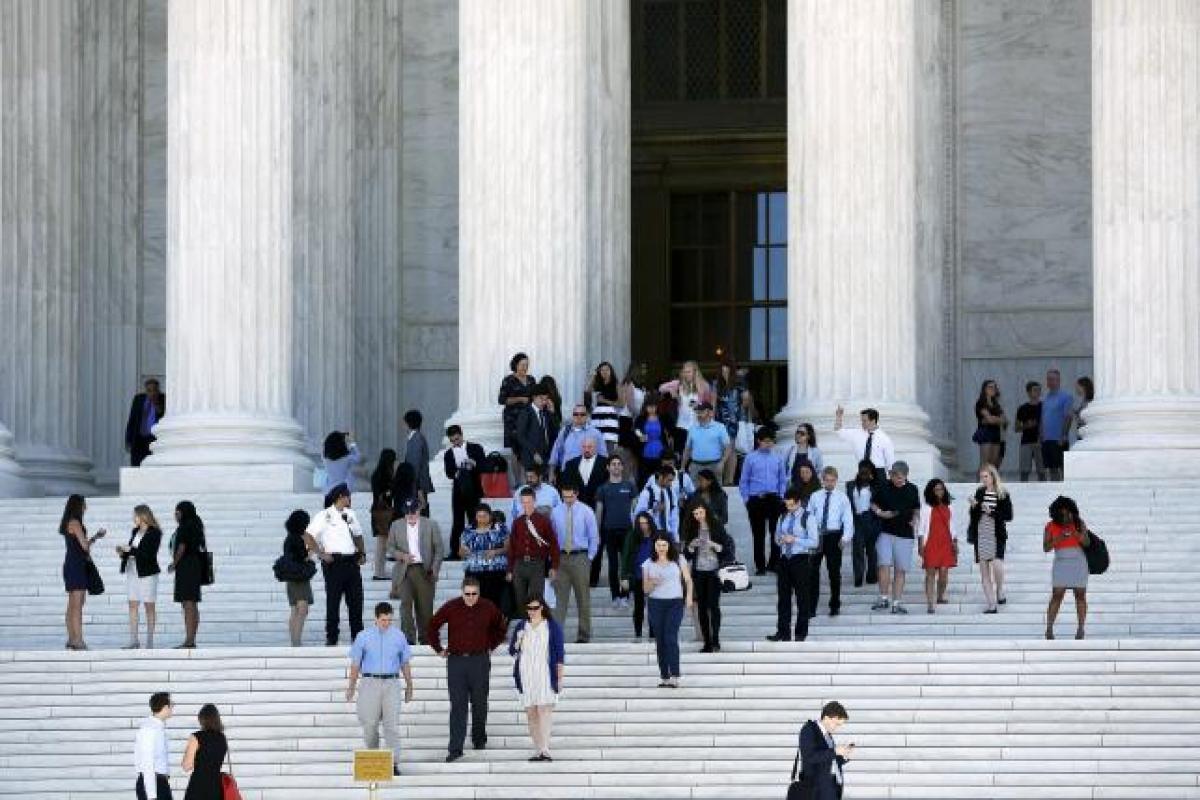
{"x":372,"y":766}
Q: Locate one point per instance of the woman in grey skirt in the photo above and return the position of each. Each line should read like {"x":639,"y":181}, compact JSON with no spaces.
{"x":1067,"y":535}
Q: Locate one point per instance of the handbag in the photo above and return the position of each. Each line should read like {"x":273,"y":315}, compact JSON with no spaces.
{"x":744,"y":441}
{"x":229,"y":787}
{"x":208,"y":576}
{"x":288,"y":570}
{"x":1096,"y":554}
{"x":796,"y":789}
{"x":734,"y":577}
{"x":95,"y":583}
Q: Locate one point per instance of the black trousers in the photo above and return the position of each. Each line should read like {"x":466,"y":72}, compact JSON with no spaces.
{"x":462,"y":513}
{"x":342,"y":579}
{"x":708,"y":605}
{"x":139,"y":448}
{"x":863,"y":553}
{"x":793,"y":577}
{"x":764,"y":511}
{"x":493,"y":586}
{"x":639,"y":606}
{"x":611,"y":542}
{"x":163,"y":789}
{"x":831,"y":553}
{"x":467,"y":678}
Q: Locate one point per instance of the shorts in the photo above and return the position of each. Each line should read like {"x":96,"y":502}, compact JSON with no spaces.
{"x":299,"y":590}
{"x":1052,"y":455}
{"x":1031,"y":456}
{"x":894,"y":551}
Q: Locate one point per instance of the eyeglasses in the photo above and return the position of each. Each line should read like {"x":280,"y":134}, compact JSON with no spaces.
{"x":578,"y":414}
{"x":533,"y":608}
{"x":470,"y":594}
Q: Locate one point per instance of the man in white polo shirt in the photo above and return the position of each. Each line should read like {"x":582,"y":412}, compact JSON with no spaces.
{"x":336,"y":537}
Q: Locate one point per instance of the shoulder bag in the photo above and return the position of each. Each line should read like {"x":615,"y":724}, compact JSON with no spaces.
{"x":1096,"y":554}
{"x":796,"y":789}
{"x":229,"y":787}
{"x":95,"y":583}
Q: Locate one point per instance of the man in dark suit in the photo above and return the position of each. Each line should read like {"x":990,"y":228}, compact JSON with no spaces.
{"x":462,"y":462}
{"x":416,"y":454}
{"x":147,"y":409}
{"x":821,"y":760}
{"x":536,"y":430}
{"x":589,"y":471}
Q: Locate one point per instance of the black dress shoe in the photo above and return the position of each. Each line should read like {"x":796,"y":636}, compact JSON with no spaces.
{"x":775,"y":637}
{"x":480,"y":745}
{"x":716,"y":647}
{"x":833,"y":612}
{"x":760,"y":572}
{"x":452,"y":757}
{"x":395,"y":771}
{"x":708,"y":648}
{"x":377,"y":578}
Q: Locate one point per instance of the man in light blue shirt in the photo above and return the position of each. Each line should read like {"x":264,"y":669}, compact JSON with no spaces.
{"x":831,"y":521}
{"x":545,"y":496}
{"x":578,"y":537}
{"x":764,"y":479}
{"x":1056,"y":422}
{"x":569,"y":443}
{"x":708,"y":444}
{"x":380,"y":654}
{"x":797,"y":544}
{"x":660,"y":499}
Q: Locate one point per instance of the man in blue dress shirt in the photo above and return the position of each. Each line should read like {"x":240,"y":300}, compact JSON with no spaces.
{"x":578,"y":537}
{"x":831,"y":521}
{"x":796,"y":547}
{"x":1056,"y":423}
{"x":764,"y":478}
{"x":708,"y":444}
{"x":380,"y":654}
{"x":569,"y":444}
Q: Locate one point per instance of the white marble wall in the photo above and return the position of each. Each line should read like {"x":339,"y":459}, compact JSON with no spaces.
{"x":152,"y":299}
{"x":110,"y":228}
{"x":1024,"y":199}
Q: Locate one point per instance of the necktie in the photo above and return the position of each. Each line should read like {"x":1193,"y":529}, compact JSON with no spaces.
{"x":542,"y":423}
{"x":825,"y":512}
{"x":570,"y":529}
{"x":867,"y":449}
{"x":662,"y":514}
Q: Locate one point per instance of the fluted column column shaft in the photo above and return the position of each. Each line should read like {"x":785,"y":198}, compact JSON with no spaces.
{"x":229,"y":253}
{"x":323,"y":388}
{"x":39,"y":235}
{"x":858,"y":107}
{"x":544,"y":195}
{"x":1145,"y":420}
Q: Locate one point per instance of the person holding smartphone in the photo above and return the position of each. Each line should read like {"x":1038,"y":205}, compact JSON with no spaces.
{"x":75,"y":566}
{"x":820,"y":759}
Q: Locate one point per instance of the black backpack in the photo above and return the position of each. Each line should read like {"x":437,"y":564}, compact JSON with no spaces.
{"x":1096,"y":553}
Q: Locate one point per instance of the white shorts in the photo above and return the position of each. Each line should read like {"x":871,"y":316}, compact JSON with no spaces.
{"x":893,"y":551}
{"x":141,"y":590}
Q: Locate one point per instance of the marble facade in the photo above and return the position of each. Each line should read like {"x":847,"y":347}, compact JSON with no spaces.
{"x":993,"y":188}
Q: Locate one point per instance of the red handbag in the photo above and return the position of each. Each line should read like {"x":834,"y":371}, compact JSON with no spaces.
{"x":229,"y":787}
{"x":495,"y":484}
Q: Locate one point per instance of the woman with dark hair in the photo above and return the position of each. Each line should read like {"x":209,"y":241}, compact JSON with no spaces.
{"x":404,"y":489}
{"x":1085,"y":393}
{"x":806,"y":482}
{"x":653,"y":436}
{"x":538,"y":659}
{"x":516,"y":392}
{"x":555,"y":404}
{"x":75,"y":566}
{"x":1067,"y":535}
{"x":339,"y":457}
{"x":382,"y":508}
{"x":804,"y":450}
{"x":989,"y":432}
{"x":484,"y":552}
{"x":708,"y":548}
{"x":728,"y":391}
{"x":602,"y":398}
{"x":937,"y":542}
{"x":639,"y":546}
{"x":188,"y":562}
{"x":709,"y":492}
{"x":206,"y":751}
{"x":299,"y":592}
{"x":668,"y":585}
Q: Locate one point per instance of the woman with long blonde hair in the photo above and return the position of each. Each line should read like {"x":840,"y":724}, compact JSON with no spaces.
{"x":690,"y":389}
{"x":139,"y":562}
{"x":991,"y":511}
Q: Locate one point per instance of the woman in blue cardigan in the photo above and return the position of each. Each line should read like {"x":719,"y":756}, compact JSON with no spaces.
{"x":537,"y":648}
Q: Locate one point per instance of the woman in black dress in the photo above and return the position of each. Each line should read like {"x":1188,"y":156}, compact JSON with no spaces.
{"x":75,"y":565}
{"x":382,"y":513}
{"x":188,"y":549}
{"x":205,"y":753}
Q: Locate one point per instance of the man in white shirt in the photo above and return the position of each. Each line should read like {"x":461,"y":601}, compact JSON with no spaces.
{"x":151,"y":757}
{"x":336,"y":537}
{"x":869,"y":443}
{"x":831,"y":519}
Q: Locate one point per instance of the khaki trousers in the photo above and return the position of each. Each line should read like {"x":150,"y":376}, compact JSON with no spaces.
{"x":575,"y":573}
{"x":416,"y":600}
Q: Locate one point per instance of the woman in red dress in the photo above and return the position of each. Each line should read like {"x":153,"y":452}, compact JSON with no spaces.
{"x":937,"y":541}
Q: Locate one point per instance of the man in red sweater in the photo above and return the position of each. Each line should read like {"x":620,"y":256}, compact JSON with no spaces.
{"x":475,"y":628}
{"x":531,"y":546}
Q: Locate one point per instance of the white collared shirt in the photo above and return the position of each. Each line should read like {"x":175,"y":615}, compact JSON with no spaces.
{"x":834,"y":767}
{"x":586,"y":465}
{"x":883,"y":452}
{"x":414,"y":541}
{"x":335,"y":530}
{"x":860,"y":496}
{"x":460,"y":454}
{"x":150,"y":754}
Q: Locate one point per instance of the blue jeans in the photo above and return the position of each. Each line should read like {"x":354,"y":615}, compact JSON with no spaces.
{"x":665,"y":618}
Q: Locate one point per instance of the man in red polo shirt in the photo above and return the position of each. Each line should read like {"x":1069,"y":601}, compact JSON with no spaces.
{"x":475,"y":628}
{"x":532,"y":546}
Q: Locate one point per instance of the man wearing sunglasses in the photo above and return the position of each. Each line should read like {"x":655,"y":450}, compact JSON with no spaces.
{"x":475,"y":627}
{"x":569,"y":444}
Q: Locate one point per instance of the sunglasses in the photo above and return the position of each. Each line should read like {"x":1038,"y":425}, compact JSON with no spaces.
{"x":578,"y":414}
{"x":533,"y":608}
{"x":470,"y":594}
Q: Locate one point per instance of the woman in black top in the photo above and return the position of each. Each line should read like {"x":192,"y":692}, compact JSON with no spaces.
{"x":990,"y":419}
{"x":299,"y":593}
{"x":516,"y":392}
{"x":382,"y":512}
{"x":708,"y":548}
{"x":205,"y":753}
{"x":709,"y":492}
{"x":75,"y":566}
{"x":188,"y":549}
{"x":139,"y":562}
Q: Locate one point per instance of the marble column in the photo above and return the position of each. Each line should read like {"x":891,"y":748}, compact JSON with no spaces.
{"x":40,"y":319}
{"x":860,"y":102}
{"x":110,"y":183}
{"x":323,"y":390}
{"x":229,"y":255}
{"x":544,"y":187}
{"x":1145,"y":420}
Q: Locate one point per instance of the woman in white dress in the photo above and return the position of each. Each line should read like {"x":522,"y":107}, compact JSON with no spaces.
{"x":537,"y":648}
{"x":139,"y":562}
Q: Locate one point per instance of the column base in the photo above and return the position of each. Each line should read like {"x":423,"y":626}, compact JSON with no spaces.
{"x":907,"y":425}
{"x":216,"y":479}
{"x":12,"y":484}
{"x":53,"y":471}
{"x":1138,"y":438}
{"x":484,"y":426}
